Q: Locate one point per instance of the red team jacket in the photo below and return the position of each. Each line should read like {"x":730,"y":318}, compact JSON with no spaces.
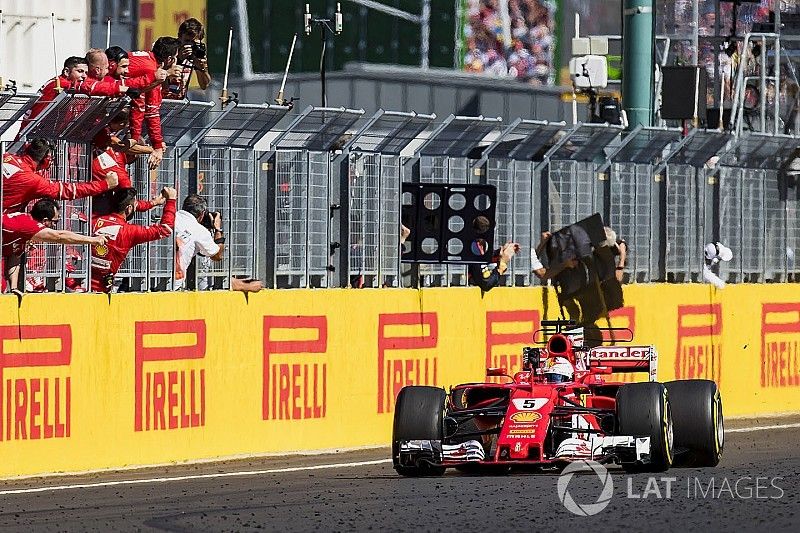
{"x":122,"y":236}
{"x":147,"y":107}
{"x":49,"y":94}
{"x":90,"y":86}
{"x":139,"y":82}
{"x":108,"y":86}
{"x":111,"y":160}
{"x":18,"y":229}
{"x":21,"y":184}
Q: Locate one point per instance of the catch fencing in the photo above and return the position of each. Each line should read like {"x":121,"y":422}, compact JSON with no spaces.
{"x":314,"y":199}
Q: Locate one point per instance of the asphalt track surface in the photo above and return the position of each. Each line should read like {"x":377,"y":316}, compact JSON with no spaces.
{"x":358,"y":497}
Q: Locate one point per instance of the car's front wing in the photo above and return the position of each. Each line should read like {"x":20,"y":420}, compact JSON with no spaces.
{"x":605,"y":449}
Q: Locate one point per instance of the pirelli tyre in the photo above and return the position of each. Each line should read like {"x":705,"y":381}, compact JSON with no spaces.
{"x":418,"y":415}
{"x":699,"y":426}
{"x":643,"y":410}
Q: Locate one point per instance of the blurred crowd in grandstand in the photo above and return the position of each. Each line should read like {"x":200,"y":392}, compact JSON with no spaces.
{"x":518,"y":43}
{"x":720,"y":48}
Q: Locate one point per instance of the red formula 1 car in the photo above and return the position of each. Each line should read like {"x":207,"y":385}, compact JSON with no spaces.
{"x":558,"y":409}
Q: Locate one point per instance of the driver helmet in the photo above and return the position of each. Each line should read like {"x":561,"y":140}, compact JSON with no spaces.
{"x":558,"y":370}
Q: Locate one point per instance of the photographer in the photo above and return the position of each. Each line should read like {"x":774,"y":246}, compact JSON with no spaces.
{"x":538,"y":268}
{"x":193,"y":57}
{"x":198,"y":231}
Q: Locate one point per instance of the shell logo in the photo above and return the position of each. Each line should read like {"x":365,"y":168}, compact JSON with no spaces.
{"x":525,"y":417}
{"x":101,"y":250}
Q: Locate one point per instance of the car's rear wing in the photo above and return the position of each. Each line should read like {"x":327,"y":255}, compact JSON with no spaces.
{"x":626,"y":359}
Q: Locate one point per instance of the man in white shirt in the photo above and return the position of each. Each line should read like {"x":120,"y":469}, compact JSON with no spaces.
{"x":193,"y":238}
{"x":199,"y":231}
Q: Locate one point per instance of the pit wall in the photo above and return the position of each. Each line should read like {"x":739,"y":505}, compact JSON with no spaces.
{"x":157,"y":378}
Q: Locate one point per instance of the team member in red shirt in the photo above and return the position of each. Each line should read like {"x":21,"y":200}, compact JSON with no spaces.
{"x":147,"y":108}
{"x":118,"y":71}
{"x":119,"y":67}
{"x":22,"y":183}
{"x":98,"y":83}
{"x":21,"y":228}
{"x":122,"y":236}
{"x":71,"y":79}
{"x":114,"y":155}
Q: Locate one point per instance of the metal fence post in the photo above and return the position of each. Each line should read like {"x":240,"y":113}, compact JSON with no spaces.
{"x":269,"y":168}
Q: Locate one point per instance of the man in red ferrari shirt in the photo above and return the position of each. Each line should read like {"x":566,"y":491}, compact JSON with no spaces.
{"x":147,"y":108}
{"x":71,"y":79}
{"x":114,"y":155}
{"x":21,"y":228}
{"x":98,"y":83}
{"x":118,"y":71}
{"x":107,"y":258}
{"x":23,"y":183}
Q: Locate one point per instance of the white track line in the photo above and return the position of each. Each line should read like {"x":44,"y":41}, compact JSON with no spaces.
{"x":244,"y":473}
{"x":194,"y":476}
{"x":762,"y":428}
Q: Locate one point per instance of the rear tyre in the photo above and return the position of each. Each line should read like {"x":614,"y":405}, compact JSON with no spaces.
{"x":699,"y":425}
{"x":643,"y":410}
{"x":418,"y":415}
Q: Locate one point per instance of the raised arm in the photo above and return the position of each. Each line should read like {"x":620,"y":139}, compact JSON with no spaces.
{"x":142,"y":234}
{"x":59,"y":190}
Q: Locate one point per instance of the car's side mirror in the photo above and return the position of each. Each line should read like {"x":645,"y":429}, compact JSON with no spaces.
{"x":601,"y":370}
{"x":501,"y":371}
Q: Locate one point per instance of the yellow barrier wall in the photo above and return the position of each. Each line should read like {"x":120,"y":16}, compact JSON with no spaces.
{"x":155,"y":378}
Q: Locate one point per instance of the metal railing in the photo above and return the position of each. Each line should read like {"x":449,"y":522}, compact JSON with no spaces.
{"x":371,"y":196}
{"x":313,"y":199}
{"x":444,"y":157}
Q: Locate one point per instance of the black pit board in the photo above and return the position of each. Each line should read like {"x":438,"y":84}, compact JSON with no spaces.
{"x":441,"y":219}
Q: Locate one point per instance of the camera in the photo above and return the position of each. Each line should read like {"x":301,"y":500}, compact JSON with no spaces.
{"x":589,"y":72}
{"x":199,"y":49}
{"x":208,"y":219}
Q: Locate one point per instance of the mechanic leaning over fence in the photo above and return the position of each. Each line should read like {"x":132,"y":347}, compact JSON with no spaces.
{"x":19,"y":229}
{"x":122,"y":236}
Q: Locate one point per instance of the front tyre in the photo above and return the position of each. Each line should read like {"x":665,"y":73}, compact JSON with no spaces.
{"x":643,"y":410}
{"x":418,"y":415}
{"x":699,"y":425}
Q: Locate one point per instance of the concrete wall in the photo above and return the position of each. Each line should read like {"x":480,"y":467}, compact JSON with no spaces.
{"x":145,"y":379}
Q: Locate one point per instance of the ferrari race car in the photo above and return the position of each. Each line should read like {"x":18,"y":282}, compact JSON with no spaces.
{"x":559,"y":408}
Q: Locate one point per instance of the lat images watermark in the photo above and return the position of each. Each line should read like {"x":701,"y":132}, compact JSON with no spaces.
{"x":659,"y":488}
{"x":585,"y":508}
{"x":706,"y":488}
